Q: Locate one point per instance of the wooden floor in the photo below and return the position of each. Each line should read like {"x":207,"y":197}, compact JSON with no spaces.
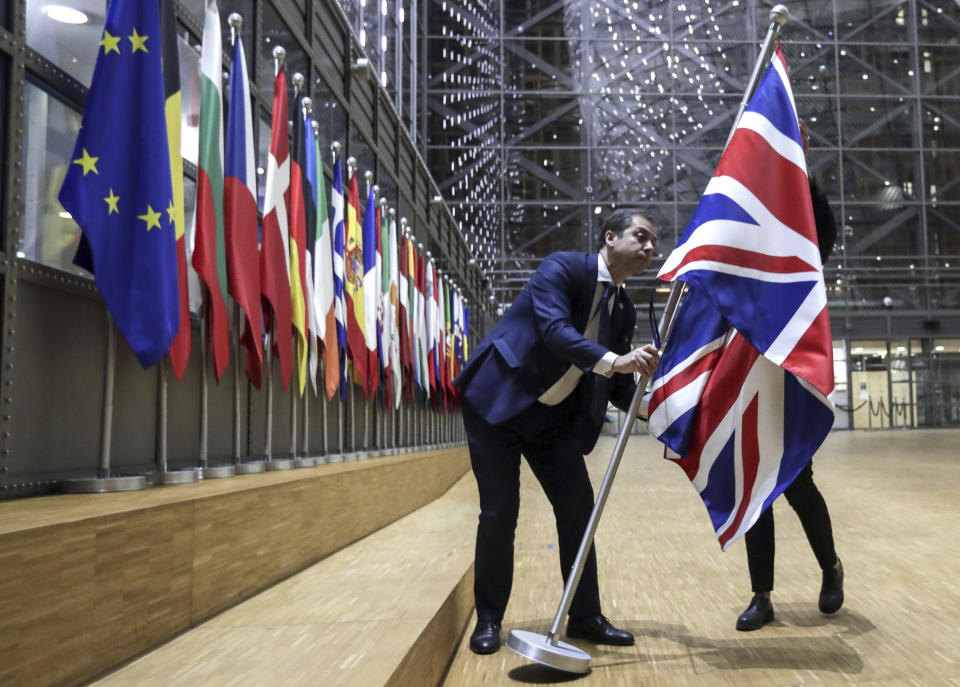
{"x":895,"y":502}
{"x":894,"y":498}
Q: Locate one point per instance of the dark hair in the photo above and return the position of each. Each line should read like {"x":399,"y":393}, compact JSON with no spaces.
{"x":619,"y":220}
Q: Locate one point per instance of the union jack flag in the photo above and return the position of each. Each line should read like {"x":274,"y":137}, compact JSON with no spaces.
{"x":741,"y":392}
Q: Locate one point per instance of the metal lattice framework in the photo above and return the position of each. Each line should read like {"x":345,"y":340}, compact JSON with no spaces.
{"x":545,"y":114}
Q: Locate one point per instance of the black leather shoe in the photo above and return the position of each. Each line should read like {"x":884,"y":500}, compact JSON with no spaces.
{"x":485,"y":638}
{"x":831,"y":591}
{"x":758,"y":614}
{"x":598,"y":630}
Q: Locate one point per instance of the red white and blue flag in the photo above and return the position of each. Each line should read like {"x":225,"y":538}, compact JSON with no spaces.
{"x":741,"y":392}
{"x":339,"y":261}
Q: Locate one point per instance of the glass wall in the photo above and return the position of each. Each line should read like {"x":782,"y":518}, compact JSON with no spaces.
{"x":390,"y":38}
{"x":575,"y":107}
{"x":545,"y":115}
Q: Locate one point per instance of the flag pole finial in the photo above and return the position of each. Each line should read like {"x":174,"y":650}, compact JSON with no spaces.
{"x":393,"y":213}
{"x":298,"y":81}
{"x":351,"y":165}
{"x":315,"y":125}
{"x":279,"y":53}
{"x":779,"y":14}
{"x":308,"y":107}
{"x":335,"y":149}
{"x":236,"y":23}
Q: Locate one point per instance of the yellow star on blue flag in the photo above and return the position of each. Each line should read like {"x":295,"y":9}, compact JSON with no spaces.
{"x":123,"y":141}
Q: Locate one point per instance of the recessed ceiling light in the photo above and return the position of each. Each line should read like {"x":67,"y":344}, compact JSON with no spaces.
{"x":64,"y":14}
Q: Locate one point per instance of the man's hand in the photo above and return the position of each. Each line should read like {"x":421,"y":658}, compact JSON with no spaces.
{"x":643,"y":360}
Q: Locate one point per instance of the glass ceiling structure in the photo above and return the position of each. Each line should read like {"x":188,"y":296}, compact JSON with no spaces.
{"x":544,"y":115}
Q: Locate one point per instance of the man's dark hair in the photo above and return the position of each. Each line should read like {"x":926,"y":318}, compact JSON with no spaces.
{"x":620,"y":219}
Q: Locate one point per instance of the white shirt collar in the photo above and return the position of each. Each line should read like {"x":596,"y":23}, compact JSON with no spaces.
{"x":603,"y":272}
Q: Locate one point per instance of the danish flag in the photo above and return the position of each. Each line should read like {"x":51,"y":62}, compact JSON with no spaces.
{"x":740,"y":396}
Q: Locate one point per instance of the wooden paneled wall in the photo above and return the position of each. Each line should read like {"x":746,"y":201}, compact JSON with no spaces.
{"x":90,"y":581}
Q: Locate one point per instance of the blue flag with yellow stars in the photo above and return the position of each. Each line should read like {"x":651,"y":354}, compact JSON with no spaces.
{"x":118,"y":184}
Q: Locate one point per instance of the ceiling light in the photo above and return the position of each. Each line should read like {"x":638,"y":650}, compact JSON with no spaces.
{"x":64,"y":14}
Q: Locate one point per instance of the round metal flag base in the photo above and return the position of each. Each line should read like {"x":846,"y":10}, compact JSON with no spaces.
{"x":219,"y":471}
{"x":305,"y":462}
{"x":102,"y":485}
{"x":251,"y":467}
{"x":176,"y":476}
{"x":280,"y":464}
{"x":561,"y":656}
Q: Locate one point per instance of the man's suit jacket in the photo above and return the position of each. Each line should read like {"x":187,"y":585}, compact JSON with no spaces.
{"x":538,"y":339}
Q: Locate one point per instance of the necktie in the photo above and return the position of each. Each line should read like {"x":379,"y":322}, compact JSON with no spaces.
{"x":603,"y":330}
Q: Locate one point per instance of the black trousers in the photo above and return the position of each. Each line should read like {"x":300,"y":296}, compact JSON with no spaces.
{"x":810,"y":507}
{"x":546,"y":437}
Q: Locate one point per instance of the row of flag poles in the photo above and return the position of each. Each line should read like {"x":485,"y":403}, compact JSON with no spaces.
{"x":337,"y":283}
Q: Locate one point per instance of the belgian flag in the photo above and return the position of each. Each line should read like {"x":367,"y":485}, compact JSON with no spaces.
{"x":180,"y":349}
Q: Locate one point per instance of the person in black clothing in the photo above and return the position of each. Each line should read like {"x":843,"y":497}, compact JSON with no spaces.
{"x":802,"y":494}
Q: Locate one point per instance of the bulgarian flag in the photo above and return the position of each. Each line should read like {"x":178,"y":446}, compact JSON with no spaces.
{"x":240,"y":212}
{"x":354,"y":286}
{"x":209,"y":257}
{"x":274,"y":257}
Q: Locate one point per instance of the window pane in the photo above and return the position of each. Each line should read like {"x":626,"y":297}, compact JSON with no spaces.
{"x":275,"y":32}
{"x":70,"y":46}
{"x":50,"y":235}
{"x":189,"y":100}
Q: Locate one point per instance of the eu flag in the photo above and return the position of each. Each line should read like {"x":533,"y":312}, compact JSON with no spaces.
{"x":118,"y":185}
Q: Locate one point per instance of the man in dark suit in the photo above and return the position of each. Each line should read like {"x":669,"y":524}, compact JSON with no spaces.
{"x":539,"y":385}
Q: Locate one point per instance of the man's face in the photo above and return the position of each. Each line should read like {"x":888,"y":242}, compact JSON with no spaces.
{"x":633,"y":249}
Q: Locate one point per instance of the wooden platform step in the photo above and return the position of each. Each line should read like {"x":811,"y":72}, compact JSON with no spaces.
{"x":92,"y":581}
{"x":388,"y":610}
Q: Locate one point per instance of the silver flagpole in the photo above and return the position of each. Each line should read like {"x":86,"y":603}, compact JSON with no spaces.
{"x":103,"y":481}
{"x":109,"y":371}
{"x":268,"y":383}
{"x":204,"y":388}
{"x":550,"y":650}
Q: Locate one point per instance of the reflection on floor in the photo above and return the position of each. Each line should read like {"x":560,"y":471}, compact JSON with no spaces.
{"x":894,"y":498}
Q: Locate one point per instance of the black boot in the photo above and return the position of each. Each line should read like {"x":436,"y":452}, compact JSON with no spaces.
{"x":758,"y":614}
{"x":485,"y":638}
{"x":831,"y":591}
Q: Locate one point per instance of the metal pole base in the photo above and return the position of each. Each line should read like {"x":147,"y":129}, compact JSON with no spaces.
{"x":176,"y":477}
{"x":219,"y":472}
{"x":305,"y":462}
{"x":102,"y":485}
{"x":280,"y":464}
{"x":561,"y":656}
{"x":252,"y":467}
{"x":336,"y":458}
